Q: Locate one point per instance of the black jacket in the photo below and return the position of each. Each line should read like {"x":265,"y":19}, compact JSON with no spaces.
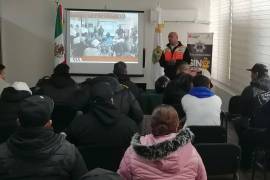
{"x":39,"y":153}
{"x":174,"y":92}
{"x":123,"y":98}
{"x":103,"y":134}
{"x":248,"y":95}
{"x":128,"y":104}
{"x":60,"y":88}
{"x":170,"y":69}
{"x":124,"y":80}
{"x":102,"y":125}
{"x":9,"y":108}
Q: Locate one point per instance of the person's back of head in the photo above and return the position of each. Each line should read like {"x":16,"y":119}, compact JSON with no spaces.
{"x":35,"y":111}
{"x":114,"y":83}
{"x":120,"y":68}
{"x":60,"y":79}
{"x":61,"y":70}
{"x":183,"y":67}
{"x":166,"y":145}
{"x":161,"y":83}
{"x":183,"y":81}
{"x":10,"y":100}
{"x":43,"y":81}
{"x":164,"y":120}
{"x":36,"y":142}
{"x":201,"y":81}
{"x":101,"y":92}
{"x":176,"y":89}
{"x":258,"y":71}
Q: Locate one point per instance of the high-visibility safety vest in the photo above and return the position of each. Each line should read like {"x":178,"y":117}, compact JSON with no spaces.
{"x":176,"y":55}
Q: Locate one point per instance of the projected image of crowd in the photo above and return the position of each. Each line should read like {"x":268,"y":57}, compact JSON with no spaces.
{"x":103,"y":39}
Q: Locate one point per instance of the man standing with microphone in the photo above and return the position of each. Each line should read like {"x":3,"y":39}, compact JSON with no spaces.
{"x":173,"y":55}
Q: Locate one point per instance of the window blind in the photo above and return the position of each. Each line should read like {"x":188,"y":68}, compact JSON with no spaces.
{"x":250,"y":41}
{"x":220,"y":25}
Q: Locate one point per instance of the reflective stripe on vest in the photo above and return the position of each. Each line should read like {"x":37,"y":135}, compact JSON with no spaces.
{"x":178,"y":54}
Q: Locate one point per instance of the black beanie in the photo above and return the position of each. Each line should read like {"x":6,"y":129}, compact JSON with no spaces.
{"x":35,"y":111}
{"x":102,"y":91}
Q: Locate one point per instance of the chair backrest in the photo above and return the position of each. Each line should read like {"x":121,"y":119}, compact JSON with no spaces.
{"x":149,"y":100}
{"x":220,"y":158}
{"x":235,"y":105}
{"x":62,"y":116}
{"x":209,"y":134}
{"x":102,"y":157}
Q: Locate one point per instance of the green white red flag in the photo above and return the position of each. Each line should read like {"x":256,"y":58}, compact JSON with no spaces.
{"x":59,"y":45}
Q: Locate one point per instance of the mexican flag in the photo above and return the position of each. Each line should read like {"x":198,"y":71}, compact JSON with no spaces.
{"x":59,"y":47}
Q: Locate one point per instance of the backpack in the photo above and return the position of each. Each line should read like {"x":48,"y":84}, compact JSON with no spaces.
{"x":260,"y":100}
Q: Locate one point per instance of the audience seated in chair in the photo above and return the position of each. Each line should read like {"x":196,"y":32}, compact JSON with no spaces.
{"x":255,"y":137}
{"x":167,"y":153}
{"x":260,"y":83}
{"x":3,"y":83}
{"x":161,"y":84}
{"x":9,"y":108}
{"x":60,"y":87}
{"x":201,"y":105}
{"x":102,"y":129}
{"x":35,"y":152}
{"x":175,"y":91}
{"x":120,"y":72}
{"x":123,"y":98}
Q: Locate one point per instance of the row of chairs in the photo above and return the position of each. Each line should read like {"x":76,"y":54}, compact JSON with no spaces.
{"x":207,"y":139}
{"x":219,"y":157}
{"x":261,"y":156}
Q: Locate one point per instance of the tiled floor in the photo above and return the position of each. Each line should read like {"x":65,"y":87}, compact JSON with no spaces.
{"x":232,"y":138}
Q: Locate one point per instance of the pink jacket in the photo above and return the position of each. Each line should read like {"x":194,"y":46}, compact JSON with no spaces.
{"x":170,"y":157}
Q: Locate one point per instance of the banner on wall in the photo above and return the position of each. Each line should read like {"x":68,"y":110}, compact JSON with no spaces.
{"x":200,"y":46}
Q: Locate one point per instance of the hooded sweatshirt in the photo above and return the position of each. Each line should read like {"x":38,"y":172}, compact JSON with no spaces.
{"x":102,"y":125}
{"x":39,"y":153}
{"x":166,"y":157}
{"x":105,"y":132}
{"x":61,"y":88}
{"x":202,"y":107}
{"x":124,"y":79}
{"x":124,"y":100}
{"x":9,"y":108}
{"x":248,"y":95}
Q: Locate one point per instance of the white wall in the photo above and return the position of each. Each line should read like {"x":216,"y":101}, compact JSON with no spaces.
{"x":28,"y":32}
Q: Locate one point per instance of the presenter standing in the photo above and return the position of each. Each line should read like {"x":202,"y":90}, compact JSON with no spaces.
{"x":173,"y":55}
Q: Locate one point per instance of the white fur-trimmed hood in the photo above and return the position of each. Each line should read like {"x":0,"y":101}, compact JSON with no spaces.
{"x":163,"y":149}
